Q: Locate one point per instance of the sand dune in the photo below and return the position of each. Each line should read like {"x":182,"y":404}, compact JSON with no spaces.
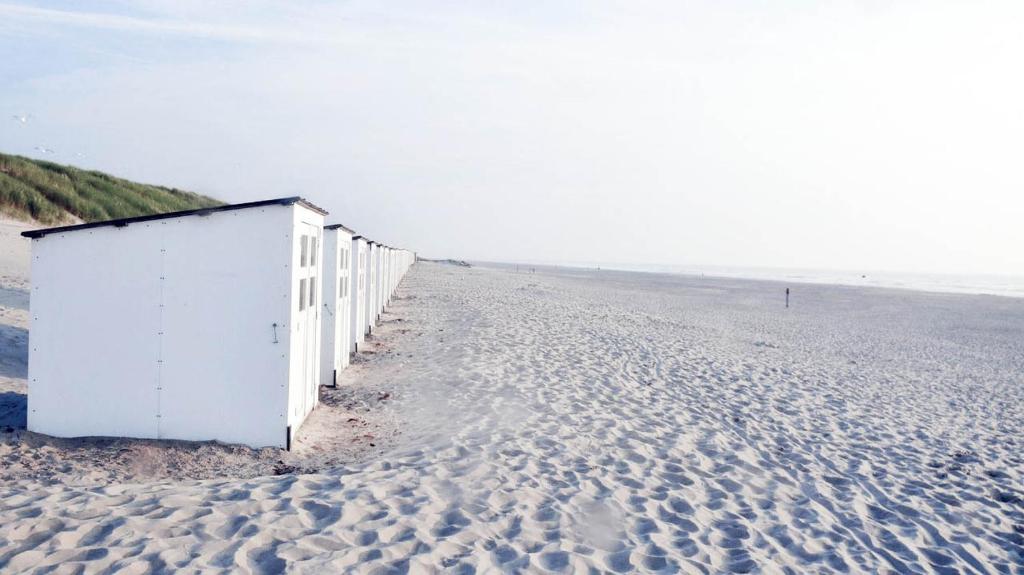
{"x":613,"y":421}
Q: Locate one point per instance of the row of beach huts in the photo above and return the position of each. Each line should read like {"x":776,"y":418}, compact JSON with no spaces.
{"x":211,"y":324}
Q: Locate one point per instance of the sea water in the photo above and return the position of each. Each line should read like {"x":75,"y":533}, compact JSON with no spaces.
{"x":1002,"y":285}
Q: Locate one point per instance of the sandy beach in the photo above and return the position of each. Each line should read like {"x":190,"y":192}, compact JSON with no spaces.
{"x":572,"y":420}
{"x":14,"y":284}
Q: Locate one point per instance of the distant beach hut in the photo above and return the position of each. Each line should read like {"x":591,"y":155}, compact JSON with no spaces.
{"x":192,"y":325}
{"x":394,"y":274}
{"x":382,"y":272}
{"x":336,"y":319}
{"x":381,"y":281}
{"x":360,"y":263}
{"x":386,"y":282}
{"x":391,"y":276}
{"x":402,"y":260}
{"x":371,"y":288}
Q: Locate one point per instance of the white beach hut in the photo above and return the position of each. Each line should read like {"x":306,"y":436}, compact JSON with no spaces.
{"x":382,"y":266}
{"x":396,"y":256}
{"x":192,"y":325}
{"x":386,"y":280}
{"x":392,"y":267}
{"x":371,"y":288}
{"x":396,"y":275}
{"x":390,"y":275}
{"x":360,"y":261}
{"x":336,"y":318}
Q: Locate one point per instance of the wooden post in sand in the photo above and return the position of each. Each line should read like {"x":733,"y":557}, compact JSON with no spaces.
{"x":787,"y":298}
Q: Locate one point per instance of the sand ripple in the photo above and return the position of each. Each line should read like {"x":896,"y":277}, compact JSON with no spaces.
{"x":619,"y":422}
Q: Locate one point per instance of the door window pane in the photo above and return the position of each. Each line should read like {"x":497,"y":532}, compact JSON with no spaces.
{"x":303,"y":250}
{"x":312,"y":292}
{"x":312,"y":250}
{"x":302,"y":295}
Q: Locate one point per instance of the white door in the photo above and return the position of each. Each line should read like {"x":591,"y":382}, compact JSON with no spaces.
{"x":342,"y":330}
{"x":309,"y":246}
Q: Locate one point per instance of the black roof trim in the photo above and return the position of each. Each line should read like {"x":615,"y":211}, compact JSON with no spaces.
{"x":200,"y":212}
{"x":340,"y":227}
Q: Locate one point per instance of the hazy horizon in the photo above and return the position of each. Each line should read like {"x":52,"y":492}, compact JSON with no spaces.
{"x":646,"y":266}
{"x":845,"y":136}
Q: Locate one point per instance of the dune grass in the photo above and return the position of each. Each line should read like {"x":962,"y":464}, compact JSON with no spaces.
{"x":55,"y":194}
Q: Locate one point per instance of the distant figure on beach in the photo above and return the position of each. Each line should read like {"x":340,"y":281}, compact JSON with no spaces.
{"x":787,"y":298}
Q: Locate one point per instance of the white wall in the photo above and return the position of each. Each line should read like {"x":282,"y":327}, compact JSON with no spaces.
{"x":170,"y":318}
{"x":93,"y":345}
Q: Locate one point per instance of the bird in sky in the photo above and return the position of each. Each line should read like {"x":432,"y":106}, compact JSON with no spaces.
{"x":44,"y":149}
{"x":23,"y":118}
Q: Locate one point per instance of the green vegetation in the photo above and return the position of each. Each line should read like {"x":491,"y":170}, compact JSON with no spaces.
{"x":54,"y":194}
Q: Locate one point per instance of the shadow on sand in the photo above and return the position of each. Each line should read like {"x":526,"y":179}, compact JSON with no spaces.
{"x":13,"y":351}
{"x":14,"y":298}
{"x":13,"y":410}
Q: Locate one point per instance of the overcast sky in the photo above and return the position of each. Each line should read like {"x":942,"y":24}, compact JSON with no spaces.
{"x":848,"y":135}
